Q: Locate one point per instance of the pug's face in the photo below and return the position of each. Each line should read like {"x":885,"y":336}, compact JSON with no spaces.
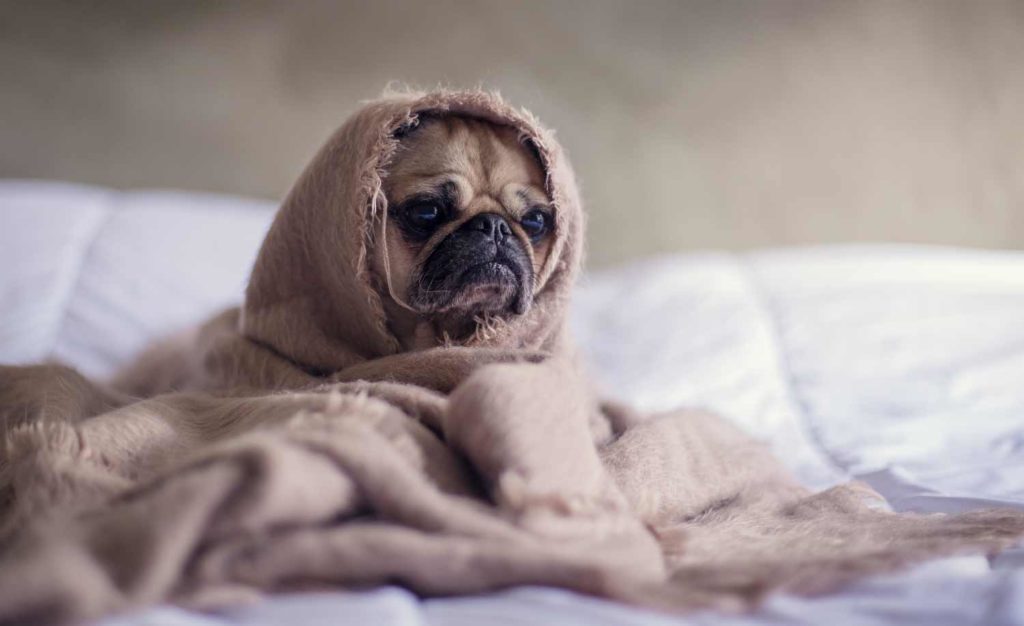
{"x":469,"y":221}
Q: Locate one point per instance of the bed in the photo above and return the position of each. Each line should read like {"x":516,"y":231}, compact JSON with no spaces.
{"x":902,"y":366}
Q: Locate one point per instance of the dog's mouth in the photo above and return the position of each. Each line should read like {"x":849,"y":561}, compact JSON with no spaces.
{"x":488,"y":287}
{"x":451,"y":282}
{"x":491,"y":285}
{"x":490,"y":273}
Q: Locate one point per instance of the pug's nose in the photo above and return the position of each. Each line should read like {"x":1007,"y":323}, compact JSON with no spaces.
{"x":492,"y":225}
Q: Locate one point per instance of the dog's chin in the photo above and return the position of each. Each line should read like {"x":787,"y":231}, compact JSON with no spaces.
{"x":490,"y":287}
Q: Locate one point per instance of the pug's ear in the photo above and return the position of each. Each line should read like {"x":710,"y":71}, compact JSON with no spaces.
{"x":531,"y":147}
{"x":406,"y":128}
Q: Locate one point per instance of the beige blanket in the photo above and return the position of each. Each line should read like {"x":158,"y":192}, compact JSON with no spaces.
{"x":293,"y":445}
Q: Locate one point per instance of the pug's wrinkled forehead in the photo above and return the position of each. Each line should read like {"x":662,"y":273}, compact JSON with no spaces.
{"x":463,"y":167}
{"x":470,"y":224}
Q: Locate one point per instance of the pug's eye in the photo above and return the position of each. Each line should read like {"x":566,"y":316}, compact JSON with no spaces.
{"x":536,"y":224}
{"x":424,"y":216}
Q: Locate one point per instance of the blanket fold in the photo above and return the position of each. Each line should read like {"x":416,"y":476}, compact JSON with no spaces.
{"x":292,"y":445}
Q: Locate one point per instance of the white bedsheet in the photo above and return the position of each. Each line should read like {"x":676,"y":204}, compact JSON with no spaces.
{"x":901,"y":366}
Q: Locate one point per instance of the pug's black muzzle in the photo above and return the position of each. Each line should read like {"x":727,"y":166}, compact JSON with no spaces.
{"x":480,"y":267}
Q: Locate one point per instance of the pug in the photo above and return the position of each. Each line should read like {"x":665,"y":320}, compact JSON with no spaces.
{"x":468,"y":228}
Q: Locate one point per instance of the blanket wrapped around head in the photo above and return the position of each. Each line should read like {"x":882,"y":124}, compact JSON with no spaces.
{"x":292,"y":444}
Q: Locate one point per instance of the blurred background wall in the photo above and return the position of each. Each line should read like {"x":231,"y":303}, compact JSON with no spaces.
{"x":701,"y":124}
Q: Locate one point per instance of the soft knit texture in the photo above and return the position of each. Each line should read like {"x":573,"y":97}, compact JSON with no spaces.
{"x":292,"y":445}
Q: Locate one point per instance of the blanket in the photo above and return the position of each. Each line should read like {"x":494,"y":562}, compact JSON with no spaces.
{"x":291,"y":444}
